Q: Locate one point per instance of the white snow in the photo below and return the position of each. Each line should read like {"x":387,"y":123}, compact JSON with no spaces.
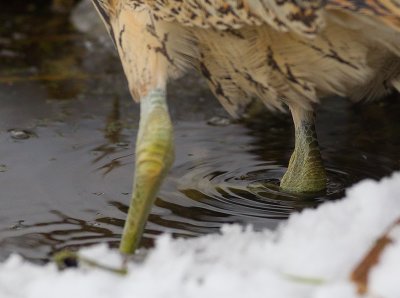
{"x":311,"y":256}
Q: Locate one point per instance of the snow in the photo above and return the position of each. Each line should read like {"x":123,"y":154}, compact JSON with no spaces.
{"x":311,"y":255}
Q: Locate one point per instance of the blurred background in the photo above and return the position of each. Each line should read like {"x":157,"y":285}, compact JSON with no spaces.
{"x":67,"y":137}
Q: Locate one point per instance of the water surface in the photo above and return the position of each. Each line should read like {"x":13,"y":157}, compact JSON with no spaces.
{"x":67,"y":137}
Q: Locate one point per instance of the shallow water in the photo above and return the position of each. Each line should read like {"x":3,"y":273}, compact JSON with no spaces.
{"x":67,"y":136}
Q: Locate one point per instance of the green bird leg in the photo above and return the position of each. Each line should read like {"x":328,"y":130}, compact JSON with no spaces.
{"x":305,"y":172}
{"x":154,"y":156}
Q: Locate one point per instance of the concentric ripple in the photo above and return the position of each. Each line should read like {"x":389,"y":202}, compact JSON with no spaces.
{"x":236,"y":183}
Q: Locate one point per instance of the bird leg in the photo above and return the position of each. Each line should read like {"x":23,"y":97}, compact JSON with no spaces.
{"x":305,"y":172}
{"x":154,"y":156}
{"x":142,"y":46}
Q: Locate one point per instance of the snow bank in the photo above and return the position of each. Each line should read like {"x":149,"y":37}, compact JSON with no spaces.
{"x":310,"y":256}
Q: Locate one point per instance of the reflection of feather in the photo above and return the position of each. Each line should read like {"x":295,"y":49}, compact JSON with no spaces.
{"x":291,"y":51}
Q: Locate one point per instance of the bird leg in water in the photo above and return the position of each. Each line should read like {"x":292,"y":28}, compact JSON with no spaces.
{"x":154,"y":156}
{"x":305,"y":172}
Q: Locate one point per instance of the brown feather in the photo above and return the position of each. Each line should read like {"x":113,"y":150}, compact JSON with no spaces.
{"x":286,"y":51}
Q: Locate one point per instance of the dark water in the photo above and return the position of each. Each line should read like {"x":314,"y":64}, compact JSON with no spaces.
{"x":67,"y":135}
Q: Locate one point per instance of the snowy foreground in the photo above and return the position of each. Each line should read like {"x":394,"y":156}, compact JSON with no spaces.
{"x":311,"y":255}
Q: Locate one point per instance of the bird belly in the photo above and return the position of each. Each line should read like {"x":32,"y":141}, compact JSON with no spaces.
{"x":284,"y":67}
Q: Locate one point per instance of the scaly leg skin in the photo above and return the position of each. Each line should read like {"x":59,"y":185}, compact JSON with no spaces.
{"x":305,"y":173}
{"x":154,"y":156}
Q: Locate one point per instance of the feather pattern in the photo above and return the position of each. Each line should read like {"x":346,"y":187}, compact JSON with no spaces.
{"x":279,"y":51}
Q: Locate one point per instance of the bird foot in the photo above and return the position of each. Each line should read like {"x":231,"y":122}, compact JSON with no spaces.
{"x":305,"y":173}
{"x":67,"y":258}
